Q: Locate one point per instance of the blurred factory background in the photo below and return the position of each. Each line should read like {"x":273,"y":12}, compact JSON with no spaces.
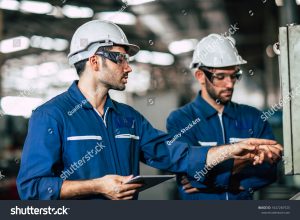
{"x":34,"y":42}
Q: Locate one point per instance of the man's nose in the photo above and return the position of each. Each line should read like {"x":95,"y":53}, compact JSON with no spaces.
{"x":127,"y":67}
{"x":229,"y":83}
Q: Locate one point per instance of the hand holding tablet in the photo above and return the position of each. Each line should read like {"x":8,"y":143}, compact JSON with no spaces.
{"x":149,"y":181}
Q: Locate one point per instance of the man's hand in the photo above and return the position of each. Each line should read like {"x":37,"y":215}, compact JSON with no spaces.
{"x":251,"y":150}
{"x":242,"y":150}
{"x":113,"y":187}
{"x":187,"y":187}
{"x":264,"y":153}
{"x":272,"y":154}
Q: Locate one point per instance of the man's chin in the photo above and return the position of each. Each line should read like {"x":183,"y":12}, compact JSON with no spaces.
{"x":119,"y":88}
{"x":225,"y":100}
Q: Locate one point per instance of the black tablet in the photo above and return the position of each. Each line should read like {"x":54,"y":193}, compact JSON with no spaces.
{"x":149,"y":180}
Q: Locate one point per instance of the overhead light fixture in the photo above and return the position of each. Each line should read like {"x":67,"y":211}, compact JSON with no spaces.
{"x":19,"y":106}
{"x":143,"y":56}
{"x":60,"y":44}
{"x":298,"y":2}
{"x":118,"y":17}
{"x":48,"y":43}
{"x":182,"y":46}
{"x":35,"y":7}
{"x":9,"y":5}
{"x":136,"y":2}
{"x":163,"y":59}
{"x":156,"y":58}
{"x":14,"y":44}
{"x":72,"y":11}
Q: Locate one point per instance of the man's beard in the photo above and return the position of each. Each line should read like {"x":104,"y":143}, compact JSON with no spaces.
{"x":111,"y":83}
{"x":114,"y":86}
{"x":213,"y":94}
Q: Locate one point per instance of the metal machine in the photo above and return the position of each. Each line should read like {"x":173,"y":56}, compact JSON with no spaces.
{"x":289,"y":68}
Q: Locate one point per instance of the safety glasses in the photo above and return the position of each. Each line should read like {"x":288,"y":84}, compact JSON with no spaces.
{"x":116,"y":57}
{"x":236,"y":76}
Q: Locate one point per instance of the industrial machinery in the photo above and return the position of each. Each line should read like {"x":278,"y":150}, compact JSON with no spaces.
{"x":289,"y":68}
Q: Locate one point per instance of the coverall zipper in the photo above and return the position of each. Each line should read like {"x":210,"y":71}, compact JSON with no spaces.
{"x":223,"y":133}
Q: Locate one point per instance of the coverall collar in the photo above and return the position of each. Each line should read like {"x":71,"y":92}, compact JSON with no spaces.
{"x":76,"y":94}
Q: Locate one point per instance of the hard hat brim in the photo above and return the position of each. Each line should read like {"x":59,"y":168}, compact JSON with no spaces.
{"x":132,"y":49}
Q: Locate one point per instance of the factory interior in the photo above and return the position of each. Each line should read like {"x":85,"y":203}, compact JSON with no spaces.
{"x":35,"y":41}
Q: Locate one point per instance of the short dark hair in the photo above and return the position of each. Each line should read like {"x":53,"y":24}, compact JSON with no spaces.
{"x":80,"y":66}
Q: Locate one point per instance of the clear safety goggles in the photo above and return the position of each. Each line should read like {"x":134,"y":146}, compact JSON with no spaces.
{"x":219,"y":78}
{"x":116,"y":57}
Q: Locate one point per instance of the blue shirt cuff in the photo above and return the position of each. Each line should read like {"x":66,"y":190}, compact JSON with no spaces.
{"x":196,"y":167}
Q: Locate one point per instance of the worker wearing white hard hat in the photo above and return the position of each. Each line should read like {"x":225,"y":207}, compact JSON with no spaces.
{"x":93,"y":35}
{"x":216,"y":66}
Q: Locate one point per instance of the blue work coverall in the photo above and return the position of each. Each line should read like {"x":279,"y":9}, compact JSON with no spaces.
{"x":198,"y":123}
{"x":69,"y":140}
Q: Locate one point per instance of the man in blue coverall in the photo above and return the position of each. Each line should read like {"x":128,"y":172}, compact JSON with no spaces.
{"x":218,"y":121}
{"x":82,"y":144}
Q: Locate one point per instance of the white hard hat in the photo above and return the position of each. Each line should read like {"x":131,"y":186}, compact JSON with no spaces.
{"x":216,"y":51}
{"x":94,"y":34}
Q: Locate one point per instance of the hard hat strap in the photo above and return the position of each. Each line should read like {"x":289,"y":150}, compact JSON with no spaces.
{"x":90,"y":51}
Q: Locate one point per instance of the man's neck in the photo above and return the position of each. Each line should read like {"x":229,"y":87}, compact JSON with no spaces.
{"x":94,"y":93}
{"x":214,"y":103}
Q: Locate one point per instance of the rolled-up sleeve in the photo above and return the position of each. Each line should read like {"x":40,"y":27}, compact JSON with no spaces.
{"x":38,"y":177}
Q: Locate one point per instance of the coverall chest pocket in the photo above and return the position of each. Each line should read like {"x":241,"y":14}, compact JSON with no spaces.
{"x":83,"y":148}
{"x":125,"y":135}
{"x":126,"y":140}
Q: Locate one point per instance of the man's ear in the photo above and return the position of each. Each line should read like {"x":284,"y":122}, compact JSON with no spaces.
{"x":94,"y":63}
{"x":199,"y":75}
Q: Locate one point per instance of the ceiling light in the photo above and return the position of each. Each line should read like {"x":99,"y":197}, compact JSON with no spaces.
{"x":123,"y":18}
{"x":14,"y":44}
{"x":19,"y":106}
{"x":136,"y":2}
{"x":72,"y":11}
{"x":182,"y":46}
{"x":9,"y":5}
{"x":36,"y":7}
